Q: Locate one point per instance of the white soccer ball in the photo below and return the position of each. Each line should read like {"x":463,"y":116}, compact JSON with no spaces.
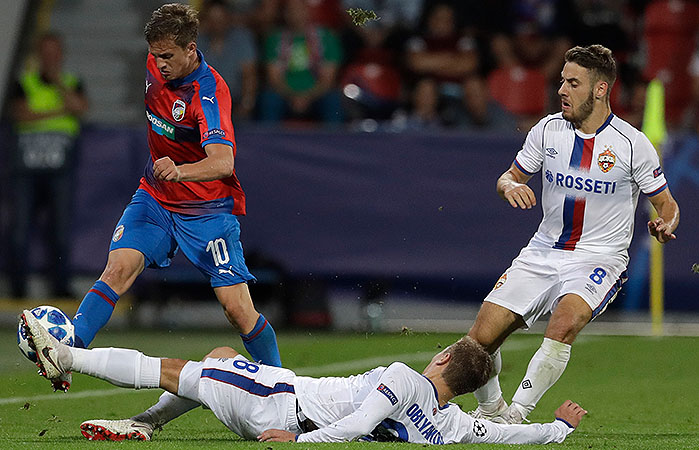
{"x":55,"y":321}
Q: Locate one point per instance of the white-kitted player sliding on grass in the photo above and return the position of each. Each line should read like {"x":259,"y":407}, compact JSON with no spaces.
{"x":269,"y":403}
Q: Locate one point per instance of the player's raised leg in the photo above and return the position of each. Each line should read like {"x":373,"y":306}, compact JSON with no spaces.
{"x":493,"y":325}
{"x":548,"y":363}
{"x":123,"y":267}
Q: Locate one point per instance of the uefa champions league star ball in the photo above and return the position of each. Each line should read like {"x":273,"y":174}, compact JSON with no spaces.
{"x":55,"y":321}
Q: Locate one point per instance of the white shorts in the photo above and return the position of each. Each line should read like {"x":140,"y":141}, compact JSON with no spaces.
{"x":539,"y":277}
{"x":247,"y":397}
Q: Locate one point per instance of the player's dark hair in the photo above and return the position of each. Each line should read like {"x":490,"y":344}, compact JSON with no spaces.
{"x":596,"y":58}
{"x":174,"y":21}
{"x":469,"y":367}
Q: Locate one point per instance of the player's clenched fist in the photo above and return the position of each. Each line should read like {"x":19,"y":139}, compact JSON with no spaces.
{"x":519,"y":195}
{"x":571,"y":412}
{"x":165,"y":169}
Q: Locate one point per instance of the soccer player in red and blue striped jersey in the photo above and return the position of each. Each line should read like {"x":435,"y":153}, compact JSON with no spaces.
{"x":189,"y":195}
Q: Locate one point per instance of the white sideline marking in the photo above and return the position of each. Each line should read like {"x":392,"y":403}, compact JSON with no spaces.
{"x":344,"y":366}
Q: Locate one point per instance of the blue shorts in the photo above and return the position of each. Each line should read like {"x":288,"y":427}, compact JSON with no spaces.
{"x":210,"y":241}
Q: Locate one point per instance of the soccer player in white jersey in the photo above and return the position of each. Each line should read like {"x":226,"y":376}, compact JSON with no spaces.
{"x":273,"y":404}
{"x":593,"y":165}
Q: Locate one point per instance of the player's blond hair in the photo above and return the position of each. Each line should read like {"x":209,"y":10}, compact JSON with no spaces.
{"x":597,"y":59}
{"x":469,"y":367}
{"x":174,"y":21}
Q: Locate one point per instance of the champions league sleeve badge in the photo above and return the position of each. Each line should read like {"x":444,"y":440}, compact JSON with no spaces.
{"x":178,"y":109}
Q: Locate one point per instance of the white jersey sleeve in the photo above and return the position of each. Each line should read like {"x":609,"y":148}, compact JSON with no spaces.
{"x":380,"y":403}
{"x":645,"y":167}
{"x":531,"y":157}
{"x":479,"y":431}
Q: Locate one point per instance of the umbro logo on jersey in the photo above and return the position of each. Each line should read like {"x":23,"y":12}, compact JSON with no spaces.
{"x":551,"y":152}
{"x":211,"y":99}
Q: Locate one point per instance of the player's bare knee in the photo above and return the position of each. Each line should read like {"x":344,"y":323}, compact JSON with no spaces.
{"x":170,"y":370}
{"x":119,"y":274}
{"x":222,"y":352}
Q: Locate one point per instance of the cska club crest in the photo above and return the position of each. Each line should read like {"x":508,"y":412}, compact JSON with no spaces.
{"x":500,"y":281}
{"x":606,"y":159}
{"x":178,"y":110}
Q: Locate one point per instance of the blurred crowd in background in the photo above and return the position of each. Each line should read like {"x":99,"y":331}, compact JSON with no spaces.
{"x":464,"y":64}
{"x":422,"y":65}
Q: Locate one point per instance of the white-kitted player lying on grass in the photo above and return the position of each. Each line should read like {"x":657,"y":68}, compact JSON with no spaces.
{"x":274,"y":404}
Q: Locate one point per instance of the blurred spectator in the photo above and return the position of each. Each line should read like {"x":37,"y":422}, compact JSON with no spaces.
{"x":302,"y":62}
{"x":528,"y":50}
{"x":46,"y":106}
{"x":693,"y":110}
{"x":670,"y":34}
{"x":371,"y":82}
{"x":423,"y":111}
{"x":533,"y":35}
{"x":265,"y":19}
{"x":231,"y":50}
{"x":326,"y":13}
{"x":441,"y":52}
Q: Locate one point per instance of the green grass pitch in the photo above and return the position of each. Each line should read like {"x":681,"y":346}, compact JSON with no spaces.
{"x":641,"y":393}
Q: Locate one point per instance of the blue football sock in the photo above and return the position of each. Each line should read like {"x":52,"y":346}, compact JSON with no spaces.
{"x":94,"y":312}
{"x":261,"y":343}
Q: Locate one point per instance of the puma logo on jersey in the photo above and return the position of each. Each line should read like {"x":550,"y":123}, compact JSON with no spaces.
{"x":211,"y":99}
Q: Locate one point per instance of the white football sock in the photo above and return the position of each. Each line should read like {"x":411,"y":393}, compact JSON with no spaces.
{"x":120,"y":366}
{"x":545,"y":368}
{"x":489,"y":394}
{"x":169,"y":407}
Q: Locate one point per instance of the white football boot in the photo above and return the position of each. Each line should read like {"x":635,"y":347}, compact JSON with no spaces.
{"x":52,"y":357}
{"x":493,"y":414}
{"x":511,"y":416}
{"x":116,"y":430}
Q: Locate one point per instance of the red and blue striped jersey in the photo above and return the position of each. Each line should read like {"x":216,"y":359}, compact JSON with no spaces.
{"x":591,"y":183}
{"x":184,"y":116}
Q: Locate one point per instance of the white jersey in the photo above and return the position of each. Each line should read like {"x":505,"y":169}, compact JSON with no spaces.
{"x":405,"y":403}
{"x":591,"y":183}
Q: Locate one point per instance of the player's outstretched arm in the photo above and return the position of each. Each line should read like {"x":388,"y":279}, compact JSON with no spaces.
{"x":568,"y":417}
{"x":663,"y":226}
{"x":512,"y":187}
